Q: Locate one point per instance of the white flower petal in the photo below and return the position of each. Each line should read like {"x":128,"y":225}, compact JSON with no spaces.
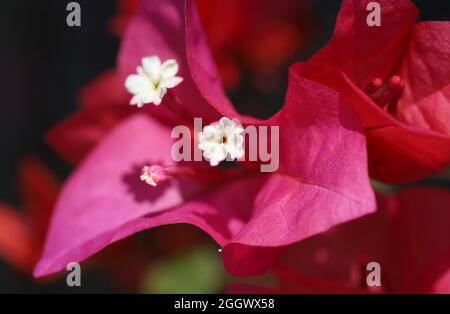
{"x":172,"y":82}
{"x":136,"y":100}
{"x":145,"y":97}
{"x":169,"y":69}
{"x":225,"y":122}
{"x":215,"y":153}
{"x":136,"y":84}
{"x":152,"y":67}
{"x":212,"y":133}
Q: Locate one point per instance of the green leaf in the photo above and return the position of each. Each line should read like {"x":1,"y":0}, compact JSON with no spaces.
{"x":200,"y":271}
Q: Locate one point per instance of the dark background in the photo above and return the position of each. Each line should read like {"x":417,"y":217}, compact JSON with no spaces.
{"x":43,"y":65}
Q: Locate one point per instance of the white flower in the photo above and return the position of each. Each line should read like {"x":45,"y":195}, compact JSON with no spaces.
{"x":152,"y":80}
{"x":221,"y":140}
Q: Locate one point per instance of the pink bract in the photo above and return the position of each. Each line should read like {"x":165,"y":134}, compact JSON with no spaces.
{"x":409,"y":139}
{"x":322,"y":180}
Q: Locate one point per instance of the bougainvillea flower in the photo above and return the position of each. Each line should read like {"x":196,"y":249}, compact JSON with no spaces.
{"x":409,"y":236}
{"x":322,"y":178}
{"x":103,"y":101}
{"x":396,"y":78}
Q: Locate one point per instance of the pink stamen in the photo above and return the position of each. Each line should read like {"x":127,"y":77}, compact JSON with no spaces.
{"x":374,"y":86}
{"x":155,"y":174}
{"x":390,"y":94}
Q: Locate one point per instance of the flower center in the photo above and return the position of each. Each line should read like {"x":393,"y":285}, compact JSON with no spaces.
{"x":224,"y":139}
{"x":386,"y":94}
{"x":155,"y":85}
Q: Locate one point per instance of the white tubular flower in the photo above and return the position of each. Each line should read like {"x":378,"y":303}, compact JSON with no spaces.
{"x":221,"y":140}
{"x":155,"y":174}
{"x":152,"y":81}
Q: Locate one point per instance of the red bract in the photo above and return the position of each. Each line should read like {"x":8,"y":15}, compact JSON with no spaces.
{"x":409,"y":237}
{"x":395,"y":76}
{"x":22,"y":233}
{"x":102,"y":106}
{"x":119,"y":23}
{"x":260,"y":35}
{"x":322,"y":179}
